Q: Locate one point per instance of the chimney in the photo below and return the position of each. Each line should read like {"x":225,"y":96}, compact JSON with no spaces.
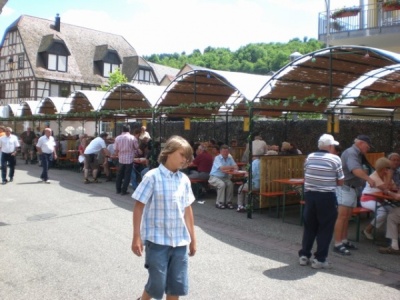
{"x":57,"y":23}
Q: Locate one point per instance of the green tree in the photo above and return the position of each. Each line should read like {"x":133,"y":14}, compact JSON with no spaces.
{"x":259,"y":58}
{"x":115,"y":78}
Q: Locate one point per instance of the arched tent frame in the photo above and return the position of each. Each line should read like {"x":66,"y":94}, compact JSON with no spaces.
{"x":313,"y":82}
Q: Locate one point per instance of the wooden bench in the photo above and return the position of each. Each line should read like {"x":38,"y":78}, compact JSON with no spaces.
{"x":357,"y":211}
{"x":197,"y":184}
{"x":278,"y":167}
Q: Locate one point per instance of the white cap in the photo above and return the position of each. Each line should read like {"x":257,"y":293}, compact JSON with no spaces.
{"x":327,"y":140}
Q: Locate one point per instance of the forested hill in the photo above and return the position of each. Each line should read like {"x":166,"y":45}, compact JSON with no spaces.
{"x":253,"y":58}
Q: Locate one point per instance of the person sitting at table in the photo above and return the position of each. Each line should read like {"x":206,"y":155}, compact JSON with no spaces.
{"x":288,"y":149}
{"x":255,"y":182}
{"x":258,"y":145}
{"x":395,"y":160}
{"x":392,"y":228}
{"x":214,"y":150}
{"x":220,"y":179}
{"x":383,"y":182}
{"x":203,"y":162}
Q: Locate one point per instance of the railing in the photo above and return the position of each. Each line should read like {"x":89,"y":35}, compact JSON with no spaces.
{"x":369,"y":17}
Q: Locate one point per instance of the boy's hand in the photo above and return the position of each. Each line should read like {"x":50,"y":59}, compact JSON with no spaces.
{"x":192,"y":249}
{"x":137,"y":246}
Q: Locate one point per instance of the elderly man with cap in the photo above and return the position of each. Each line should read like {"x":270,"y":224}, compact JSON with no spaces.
{"x":8,"y":145}
{"x":323,"y":173}
{"x":354,"y":179}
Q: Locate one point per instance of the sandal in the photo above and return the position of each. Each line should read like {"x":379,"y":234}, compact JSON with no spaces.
{"x":220,"y":206}
{"x":341,"y":249}
{"x":350,"y":246}
{"x":230,"y":205}
{"x":388,"y":250}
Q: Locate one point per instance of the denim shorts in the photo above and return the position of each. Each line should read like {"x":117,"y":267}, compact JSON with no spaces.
{"x":168,"y":270}
{"x":346,"y":196}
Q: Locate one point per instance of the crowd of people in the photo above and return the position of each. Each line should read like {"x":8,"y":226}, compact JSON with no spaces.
{"x":335,"y":181}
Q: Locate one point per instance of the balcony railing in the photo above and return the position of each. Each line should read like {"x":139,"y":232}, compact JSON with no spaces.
{"x":369,"y":17}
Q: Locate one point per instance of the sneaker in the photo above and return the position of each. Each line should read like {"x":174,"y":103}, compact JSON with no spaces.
{"x":368,"y":235}
{"x":86,"y":181}
{"x":95,"y":180}
{"x":320,"y":265}
{"x":350,"y":246}
{"x":11,"y":179}
{"x":341,"y":250}
{"x":241,"y":209}
{"x":304,"y":260}
{"x":47,"y":181}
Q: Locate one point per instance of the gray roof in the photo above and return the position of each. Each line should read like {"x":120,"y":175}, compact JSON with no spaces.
{"x":162,"y":71}
{"x":81,"y":42}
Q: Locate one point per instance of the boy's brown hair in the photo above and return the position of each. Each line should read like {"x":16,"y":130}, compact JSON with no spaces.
{"x":174,"y":143}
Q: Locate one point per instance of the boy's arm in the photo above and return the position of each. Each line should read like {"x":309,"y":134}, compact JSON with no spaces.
{"x":189,"y":220}
{"x":137,"y":245}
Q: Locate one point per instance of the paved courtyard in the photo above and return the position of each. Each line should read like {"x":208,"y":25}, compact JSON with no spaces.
{"x":68,"y":240}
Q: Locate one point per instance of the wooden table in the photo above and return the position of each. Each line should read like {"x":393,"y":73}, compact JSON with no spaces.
{"x":287,"y":182}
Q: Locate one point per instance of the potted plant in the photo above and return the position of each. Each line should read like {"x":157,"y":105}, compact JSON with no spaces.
{"x":346,"y":12}
{"x":391,"y":5}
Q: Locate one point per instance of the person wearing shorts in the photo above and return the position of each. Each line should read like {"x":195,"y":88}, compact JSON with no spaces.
{"x":169,"y":237}
{"x":354,"y":179}
{"x":91,"y":152}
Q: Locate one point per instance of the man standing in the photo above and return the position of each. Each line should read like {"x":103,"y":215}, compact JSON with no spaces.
{"x":323,"y":172}
{"x":27,"y":138}
{"x":46,"y":148}
{"x":219,"y":177}
{"x":91,"y":160}
{"x":8,"y":144}
{"x":354,"y":178}
{"x":124,"y":148}
{"x":144,"y":134}
{"x":2,"y":133}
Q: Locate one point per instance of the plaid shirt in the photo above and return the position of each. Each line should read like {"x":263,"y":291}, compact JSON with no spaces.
{"x":125,"y":145}
{"x":165,"y":195}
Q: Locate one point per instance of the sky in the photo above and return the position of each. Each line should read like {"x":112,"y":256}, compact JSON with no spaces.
{"x":177,"y":26}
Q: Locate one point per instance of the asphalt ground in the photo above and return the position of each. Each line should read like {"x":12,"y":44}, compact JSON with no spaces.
{"x":69,"y":240}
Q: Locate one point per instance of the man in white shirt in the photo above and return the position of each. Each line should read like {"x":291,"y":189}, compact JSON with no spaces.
{"x":8,"y":145}
{"x":144,"y":134}
{"x":91,"y":152}
{"x":46,"y":148}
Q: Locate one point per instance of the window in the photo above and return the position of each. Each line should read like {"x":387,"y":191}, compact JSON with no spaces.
{"x":57,"y":63}
{"x":109,"y":68}
{"x":59,"y":90}
{"x":2,"y":91}
{"x":24,"y":90}
{"x":144,"y":75}
{"x":20,"y":61}
{"x":12,"y":38}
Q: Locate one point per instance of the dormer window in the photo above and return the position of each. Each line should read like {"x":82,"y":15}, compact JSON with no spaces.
{"x":57,"y":63}
{"x":107,"y":60}
{"x":109,"y":68}
{"x":54,"y":53}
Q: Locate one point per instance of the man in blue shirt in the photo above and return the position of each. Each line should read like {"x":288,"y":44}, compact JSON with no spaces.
{"x":219,"y":177}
